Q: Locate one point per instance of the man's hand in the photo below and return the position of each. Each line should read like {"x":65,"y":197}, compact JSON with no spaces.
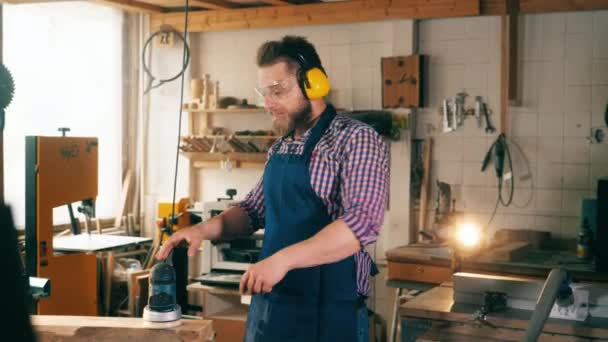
{"x":192,"y":235}
{"x":262,"y":276}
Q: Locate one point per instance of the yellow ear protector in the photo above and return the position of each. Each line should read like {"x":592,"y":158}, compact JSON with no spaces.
{"x":312,"y":80}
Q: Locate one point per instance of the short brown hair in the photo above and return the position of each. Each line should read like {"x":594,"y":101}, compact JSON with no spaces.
{"x":287,"y":49}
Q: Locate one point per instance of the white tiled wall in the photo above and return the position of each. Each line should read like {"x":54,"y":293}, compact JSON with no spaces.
{"x":563,"y":88}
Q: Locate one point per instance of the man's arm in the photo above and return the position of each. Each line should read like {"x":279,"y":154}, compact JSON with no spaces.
{"x":241,"y":219}
{"x":333,"y":243}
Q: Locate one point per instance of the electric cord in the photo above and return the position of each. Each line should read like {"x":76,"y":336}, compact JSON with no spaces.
{"x":185,"y":60}
{"x":186,"y":57}
{"x":500,"y":149}
{"x":519,"y":150}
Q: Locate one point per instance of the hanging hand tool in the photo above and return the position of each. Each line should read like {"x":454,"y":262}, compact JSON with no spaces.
{"x":489,"y":127}
{"x":478,"y":105}
{"x":446,"y":117}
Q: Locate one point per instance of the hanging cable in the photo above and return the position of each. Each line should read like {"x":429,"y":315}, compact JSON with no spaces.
{"x":185,"y":59}
{"x":499,"y":152}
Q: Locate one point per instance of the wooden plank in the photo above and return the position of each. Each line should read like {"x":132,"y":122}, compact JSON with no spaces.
{"x":316,"y":14}
{"x":513,"y":10}
{"x":229,"y":330}
{"x":84,"y":328}
{"x":504,"y":73}
{"x":510,"y":252}
{"x":107,"y":293}
{"x":541,"y":6}
{"x":277,"y":2}
{"x":141,"y":299}
{"x":211,"y":4}
{"x":133,"y":6}
{"x":122,"y":206}
{"x":419,"y":273}
{"x":493,"y":7}
{"x":134,"y":290}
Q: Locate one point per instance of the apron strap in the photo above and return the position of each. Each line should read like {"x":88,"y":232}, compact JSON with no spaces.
{"x":318,"y":131}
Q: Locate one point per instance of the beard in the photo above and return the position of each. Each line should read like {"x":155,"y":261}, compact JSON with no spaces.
{"x":300,"y":119}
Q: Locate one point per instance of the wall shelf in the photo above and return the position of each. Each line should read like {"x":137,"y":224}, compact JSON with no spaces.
{"x":225,"y":110}
{"x":201,"y":160}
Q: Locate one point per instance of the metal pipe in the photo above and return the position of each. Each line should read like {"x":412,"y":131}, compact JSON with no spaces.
{"x":544,"y":304}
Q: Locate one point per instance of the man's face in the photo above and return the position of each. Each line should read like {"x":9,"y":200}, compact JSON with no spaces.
{"x":283,"y":98}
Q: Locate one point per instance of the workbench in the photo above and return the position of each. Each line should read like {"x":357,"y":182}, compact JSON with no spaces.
{"x":88,"y":328}
{"x":432,"y":265}
{"x":433,"y":316}
{"x":422,"y":266}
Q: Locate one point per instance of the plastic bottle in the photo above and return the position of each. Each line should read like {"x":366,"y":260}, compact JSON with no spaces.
{"x":585,"y":240}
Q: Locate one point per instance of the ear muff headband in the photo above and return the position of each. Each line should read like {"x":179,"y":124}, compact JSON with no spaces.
{"x":312,"y":80}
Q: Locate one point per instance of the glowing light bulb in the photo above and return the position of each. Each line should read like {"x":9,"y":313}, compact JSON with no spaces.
{"x":468,"y":234}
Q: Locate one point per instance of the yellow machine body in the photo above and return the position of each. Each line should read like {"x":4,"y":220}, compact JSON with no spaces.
{"x":60,"y":171}
{"x":165,"y":211}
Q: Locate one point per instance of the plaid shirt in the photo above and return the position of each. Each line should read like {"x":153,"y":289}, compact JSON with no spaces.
{"x":349,"y":172}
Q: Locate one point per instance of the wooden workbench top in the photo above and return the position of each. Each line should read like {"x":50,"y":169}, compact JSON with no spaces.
{"x":437,"y":305}
{"x":535,"y":263}
{"x":88,"y":328}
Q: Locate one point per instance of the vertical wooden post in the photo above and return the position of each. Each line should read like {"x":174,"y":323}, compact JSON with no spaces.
{"x":508,"y":62}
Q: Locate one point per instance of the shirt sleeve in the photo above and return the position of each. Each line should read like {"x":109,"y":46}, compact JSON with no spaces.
{"x":364,"y":184}
{"x":253,"y":204}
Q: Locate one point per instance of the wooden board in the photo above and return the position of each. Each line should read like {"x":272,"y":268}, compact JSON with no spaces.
{"x":81,"y":328}
{"x":316,"y":14}
{"x":512,"y":251}
{"x":419,"y":273}
{"x":95,"y":243}
{"x":536,"y":238}
{"x":401,"y":77}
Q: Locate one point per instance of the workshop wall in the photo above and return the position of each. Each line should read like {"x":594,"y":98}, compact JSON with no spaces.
{"x":351,"y":56}
{"x":563,"y":88}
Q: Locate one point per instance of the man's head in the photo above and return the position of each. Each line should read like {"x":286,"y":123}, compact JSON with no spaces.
{"x":281,"y":81}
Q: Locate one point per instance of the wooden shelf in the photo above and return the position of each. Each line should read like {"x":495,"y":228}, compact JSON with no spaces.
{"x":226,"y":111}
{"x":212,"y":160}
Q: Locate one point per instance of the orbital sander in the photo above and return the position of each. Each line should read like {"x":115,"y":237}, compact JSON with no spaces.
{"x":162,"y":310}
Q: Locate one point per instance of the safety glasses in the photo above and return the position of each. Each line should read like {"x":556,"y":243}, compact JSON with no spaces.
{"x":277,"y":90}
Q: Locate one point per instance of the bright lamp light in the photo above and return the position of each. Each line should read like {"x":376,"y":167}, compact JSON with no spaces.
{"x":468,"y":234}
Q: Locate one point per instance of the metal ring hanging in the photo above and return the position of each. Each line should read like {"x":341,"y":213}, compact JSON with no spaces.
{"x":147,"y":70}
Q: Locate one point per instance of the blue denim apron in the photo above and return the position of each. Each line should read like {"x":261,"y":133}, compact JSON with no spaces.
{"x":310,"y":304}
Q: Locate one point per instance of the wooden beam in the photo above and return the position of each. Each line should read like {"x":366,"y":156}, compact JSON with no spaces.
{"x":212,"y":4}
{"x":504,"y":72}
{"x":316,"y":14}
{"x":493,"y":7}
{"x":277,"y":2}
{"x":87,"y":328}
{"x":538,"y":6}
{"x":513,"y":10}
{"x":133,"y":6}
{"x":508,"y":62}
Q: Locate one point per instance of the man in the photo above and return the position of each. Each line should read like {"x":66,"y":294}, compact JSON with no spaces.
{"x":321,"y":200}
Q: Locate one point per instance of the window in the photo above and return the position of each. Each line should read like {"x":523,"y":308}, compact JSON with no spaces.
{"x":66,"y":60}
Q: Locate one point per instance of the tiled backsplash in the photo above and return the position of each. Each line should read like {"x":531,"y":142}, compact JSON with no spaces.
{"x":563,"y":88}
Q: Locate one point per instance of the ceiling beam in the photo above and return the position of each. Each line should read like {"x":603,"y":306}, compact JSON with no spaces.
{"x":277,"y":2}
{"x":316,"y":14}
{"x":133,"y":6}
{"x":539,"y":6}
{"x":212,"y":4}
